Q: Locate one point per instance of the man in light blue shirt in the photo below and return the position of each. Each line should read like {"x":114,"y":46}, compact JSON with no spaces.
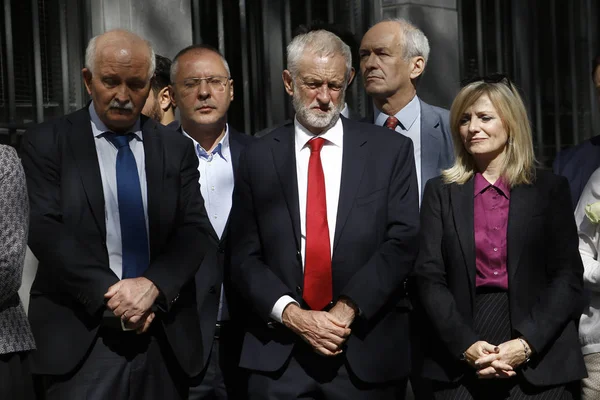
{"x":203,"y":91}
{"x":393,"y":56}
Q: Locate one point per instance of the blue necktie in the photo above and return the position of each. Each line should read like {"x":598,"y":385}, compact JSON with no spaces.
{"x":131,"y":209}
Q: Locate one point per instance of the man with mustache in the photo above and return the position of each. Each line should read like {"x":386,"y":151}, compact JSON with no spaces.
{"x":393,"y":55}
{"x":203,"y":90}
{"x":325,"y":219}
{"x":119,"y":227}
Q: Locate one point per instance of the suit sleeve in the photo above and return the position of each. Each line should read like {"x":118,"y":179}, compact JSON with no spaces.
{"x":376,"y":282}
{"x":181,"y":257}
{"x":80,"y":273}
{"x":562,"y":300}
{"x":249,"y":273}
{"x":13,"y":223}
{"x":430,"y":272}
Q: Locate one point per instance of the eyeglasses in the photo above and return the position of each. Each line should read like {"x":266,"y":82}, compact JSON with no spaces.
{"x":492,"y":78}
{"x":215,"y":83}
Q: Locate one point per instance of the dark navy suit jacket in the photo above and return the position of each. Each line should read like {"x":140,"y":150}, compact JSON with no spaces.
{"x":577,"y":164}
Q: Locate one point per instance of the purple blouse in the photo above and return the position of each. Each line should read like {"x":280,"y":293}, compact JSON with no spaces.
{"x":491,"y":220}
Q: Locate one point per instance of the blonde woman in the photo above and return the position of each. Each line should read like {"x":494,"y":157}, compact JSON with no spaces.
{"x":498,"y":272}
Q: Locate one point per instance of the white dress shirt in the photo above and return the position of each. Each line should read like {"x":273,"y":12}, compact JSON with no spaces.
{"x":216,"y":180}
{"x":107,"y":160}
{"x":410,"y":126}
{"x":331,"y":159}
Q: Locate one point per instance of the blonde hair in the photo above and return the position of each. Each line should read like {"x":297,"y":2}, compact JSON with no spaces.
{"x":519,"y":163}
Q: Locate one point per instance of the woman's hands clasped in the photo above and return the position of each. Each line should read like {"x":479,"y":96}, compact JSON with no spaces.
{"x":497,"y":361}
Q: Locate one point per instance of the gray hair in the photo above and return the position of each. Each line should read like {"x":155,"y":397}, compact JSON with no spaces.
{"x":196,"y":48}
{"x":414,"y":41}
{"x":320,"y":42}
{"x":90,"y":54}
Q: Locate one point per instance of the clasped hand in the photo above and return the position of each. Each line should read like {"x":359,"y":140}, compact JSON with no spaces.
{"x":325,"y":332}
{"x":495,"y":361}
{"x":132,"y":300}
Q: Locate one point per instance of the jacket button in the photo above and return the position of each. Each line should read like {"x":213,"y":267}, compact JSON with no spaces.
{"x":221,"y":250}
{"x":298,"y":290}
{"x":299,"y":255}
{"x":212,"y":289}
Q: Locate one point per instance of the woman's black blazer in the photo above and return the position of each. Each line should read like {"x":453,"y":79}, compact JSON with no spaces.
{"x":545,"y":279}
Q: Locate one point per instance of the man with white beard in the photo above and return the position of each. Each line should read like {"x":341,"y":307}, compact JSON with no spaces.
{"x":325,"y":219}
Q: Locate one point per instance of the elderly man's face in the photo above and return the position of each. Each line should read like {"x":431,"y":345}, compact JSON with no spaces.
{"x":119,"y":84}
{"x":202,"y":89}
{"x":384,"y":70}
{"x":318,"y":90}
{"x":597,"y":82}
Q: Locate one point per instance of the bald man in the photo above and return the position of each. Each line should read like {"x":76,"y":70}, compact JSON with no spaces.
{"x":119,"y":227}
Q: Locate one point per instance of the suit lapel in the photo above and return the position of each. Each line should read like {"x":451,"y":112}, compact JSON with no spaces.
{"x":353,"y":164}
{"x":430,"y":144}
{"x":153,"y":154}
{"x":522,"y":200}
{"x":461,"y":199}
{"x":284,"y":157}
{"x":236,"y":150}
{"x":84,"y":152}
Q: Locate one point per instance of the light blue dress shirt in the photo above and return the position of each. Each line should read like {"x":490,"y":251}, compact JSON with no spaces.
{"x":410,"y":126}
{"x":216,"y":186}
{"x":107,"y":161}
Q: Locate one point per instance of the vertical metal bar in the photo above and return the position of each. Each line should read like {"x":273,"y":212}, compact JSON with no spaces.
{"x":555,"y":76}
{"x":499,"y":29}
{"x":573,"y":74}
{"x":37,"y":62}
{"x":197,"y":35}
{"x":265,"y":60}
{"x":594,"y":118}
{"x":287,"y":20}
{"x":64,"y":56}
{"x":536,"y":104}
{"x":330,"y":11}
{"x":10,"y":63}
{"x":479,"y":22}
{"x":245,"y":66}
{"x":308,"y":8}
{"x":220,"y":26}
{"x":461,"y":35}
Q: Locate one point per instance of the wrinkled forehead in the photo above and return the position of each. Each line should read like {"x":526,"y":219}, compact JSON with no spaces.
{"x":325,"y":65}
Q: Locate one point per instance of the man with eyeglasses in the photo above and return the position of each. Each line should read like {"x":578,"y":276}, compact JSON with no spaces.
{"x":203,"y":91}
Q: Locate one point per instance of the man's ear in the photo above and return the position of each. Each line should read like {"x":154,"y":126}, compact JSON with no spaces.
{"x":164,"y":98}
{"x":231,"y":90}
{"x":87,"y":79}
{"x":418,"y":66}
{"x":172,"y":94}
{"x":288,"y":82}
{"x":352,"y":75}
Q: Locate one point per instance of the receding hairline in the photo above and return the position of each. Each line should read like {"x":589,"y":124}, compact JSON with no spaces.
{"x":119,"y":39}
{"x":197,"y":50}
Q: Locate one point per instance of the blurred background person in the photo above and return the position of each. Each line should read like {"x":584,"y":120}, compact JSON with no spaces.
{"x":158,"y":105}
{"x":579,"y":162}
{"x":498,"y":271}
{"x":16,"y":339}
{"x":587,"y":216}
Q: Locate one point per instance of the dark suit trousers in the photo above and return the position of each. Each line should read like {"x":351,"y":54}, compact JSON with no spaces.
{"x":15,"y":378}
{"x":122,"y":365}
{"x":222,"y":378}
{"x":308,"y":375}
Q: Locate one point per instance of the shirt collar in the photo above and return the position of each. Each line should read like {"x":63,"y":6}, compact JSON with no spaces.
{"x":345,"y":111}
{"x":221,"y":148}
{"x":481,"y":185}
{"x":334,"y":135}
{"x":407,"y":116}
{"x":99,"y":128}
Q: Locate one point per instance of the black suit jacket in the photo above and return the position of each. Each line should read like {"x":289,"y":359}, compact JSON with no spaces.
{"x":577,"y":164}
{"x":545,"y":278}
{"x":374,"y":246}
{"x":209,"y":278}
{"x":68,"y":236}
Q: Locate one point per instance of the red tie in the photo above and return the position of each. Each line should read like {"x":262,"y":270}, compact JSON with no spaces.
{"x":391,"y":122}
{"x":317,"y":264}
